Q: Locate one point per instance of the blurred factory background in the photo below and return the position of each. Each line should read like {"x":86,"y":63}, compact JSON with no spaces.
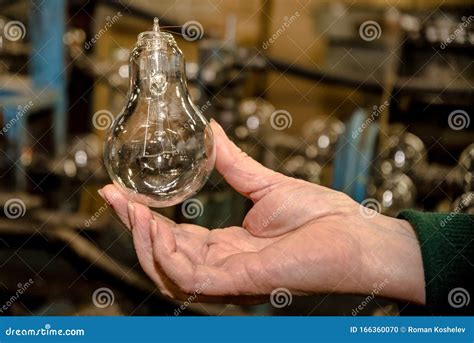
{"x":374,"y":98}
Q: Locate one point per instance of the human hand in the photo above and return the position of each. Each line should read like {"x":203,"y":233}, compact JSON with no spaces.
{"x":298,"y":235}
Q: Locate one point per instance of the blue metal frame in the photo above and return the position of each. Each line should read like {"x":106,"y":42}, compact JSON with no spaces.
{"x":47,"y":69}
{"x":47,"y":22}
{"x":354,"y":156}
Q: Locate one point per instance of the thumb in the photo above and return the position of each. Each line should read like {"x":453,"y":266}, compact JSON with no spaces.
{"x":244,"y":174}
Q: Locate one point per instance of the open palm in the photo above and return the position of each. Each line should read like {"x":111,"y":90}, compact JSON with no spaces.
{"x":300,"y":236}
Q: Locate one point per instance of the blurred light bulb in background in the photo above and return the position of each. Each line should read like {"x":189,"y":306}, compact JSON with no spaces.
{"x":160,"y":149}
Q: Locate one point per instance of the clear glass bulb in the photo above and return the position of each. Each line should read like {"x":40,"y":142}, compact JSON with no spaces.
{"x":160,"y":148}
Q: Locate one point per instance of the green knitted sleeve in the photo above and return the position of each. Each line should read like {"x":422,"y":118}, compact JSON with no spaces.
{"x":447,"y":248}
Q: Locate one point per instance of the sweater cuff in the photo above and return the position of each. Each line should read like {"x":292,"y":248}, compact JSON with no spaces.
{"x":447,"y":248}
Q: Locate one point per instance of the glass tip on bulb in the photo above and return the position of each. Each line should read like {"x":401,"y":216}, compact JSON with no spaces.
{"x":160,"y":149}
{"x":156,"y":24}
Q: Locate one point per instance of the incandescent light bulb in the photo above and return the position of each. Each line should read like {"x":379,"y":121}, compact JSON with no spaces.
{"x":160,"y":148}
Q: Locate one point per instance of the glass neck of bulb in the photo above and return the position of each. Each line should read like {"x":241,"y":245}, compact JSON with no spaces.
{"x":157,"y":66}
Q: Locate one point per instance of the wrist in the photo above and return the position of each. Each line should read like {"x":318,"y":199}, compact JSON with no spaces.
{"x":393,"y":260}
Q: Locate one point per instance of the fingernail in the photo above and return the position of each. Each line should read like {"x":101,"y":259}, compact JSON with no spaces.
{"x":212,"y":120}
{"x":102,"y":194}
{"x":131,"y":213}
